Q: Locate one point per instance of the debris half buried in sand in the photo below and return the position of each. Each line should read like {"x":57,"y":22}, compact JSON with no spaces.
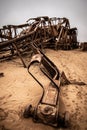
{"x":47,"y":110}
{"x":64,"y":80}
{"x":1,"y":75}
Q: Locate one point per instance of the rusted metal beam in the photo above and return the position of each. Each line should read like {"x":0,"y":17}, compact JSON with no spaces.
{"x":15,"y":40}
{"x":47,"y":110}
{"x":19,"y":54}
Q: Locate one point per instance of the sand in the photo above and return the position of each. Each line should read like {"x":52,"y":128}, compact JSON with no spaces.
{"x":18,"y":89}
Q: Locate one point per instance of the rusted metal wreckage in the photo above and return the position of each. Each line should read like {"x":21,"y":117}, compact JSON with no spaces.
{"x":83,"y":46}
{"x":44,"y":31}
{"x":48,"y":108}
{"x":37,"y":34}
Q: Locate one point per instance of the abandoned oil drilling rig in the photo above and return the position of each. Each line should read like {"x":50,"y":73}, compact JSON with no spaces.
{"x":44,"y":31}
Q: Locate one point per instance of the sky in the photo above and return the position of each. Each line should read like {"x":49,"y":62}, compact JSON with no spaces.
{"x":19,"y":11}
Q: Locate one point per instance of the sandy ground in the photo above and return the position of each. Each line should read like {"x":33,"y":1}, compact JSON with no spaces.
{"x":18,"y":89}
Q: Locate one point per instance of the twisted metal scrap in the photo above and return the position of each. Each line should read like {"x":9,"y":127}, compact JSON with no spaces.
{"x":44,"y":31}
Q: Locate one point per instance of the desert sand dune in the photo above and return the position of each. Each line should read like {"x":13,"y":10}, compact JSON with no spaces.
{"x":18,"y":89}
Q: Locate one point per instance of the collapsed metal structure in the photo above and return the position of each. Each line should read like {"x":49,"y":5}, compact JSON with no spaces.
{"x":44,"y":31}
{"x":83,"y":46}
{"x":37,"y":34}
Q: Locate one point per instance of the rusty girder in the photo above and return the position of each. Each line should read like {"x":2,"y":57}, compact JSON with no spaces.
{"x":44,"y":31}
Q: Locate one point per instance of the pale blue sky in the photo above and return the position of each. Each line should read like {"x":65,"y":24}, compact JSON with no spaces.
{"x":18,"y":11}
